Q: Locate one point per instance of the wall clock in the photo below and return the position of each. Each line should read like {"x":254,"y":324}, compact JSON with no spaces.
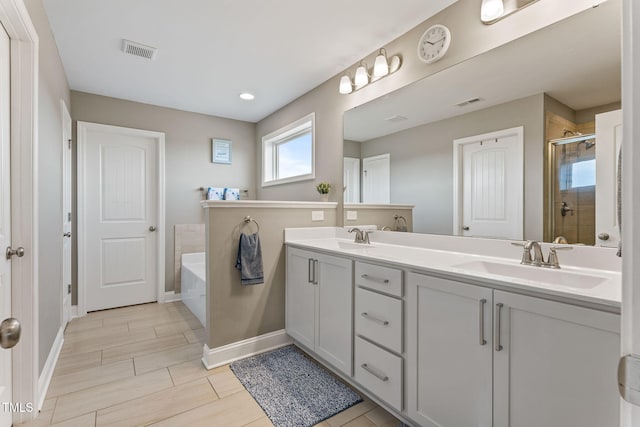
{"x":434,"y":43}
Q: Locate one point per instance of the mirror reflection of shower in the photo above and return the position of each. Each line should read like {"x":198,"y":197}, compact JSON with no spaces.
{"x":574,"y":182}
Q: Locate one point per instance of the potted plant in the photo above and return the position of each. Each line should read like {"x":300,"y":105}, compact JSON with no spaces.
{"x":324,"y":188}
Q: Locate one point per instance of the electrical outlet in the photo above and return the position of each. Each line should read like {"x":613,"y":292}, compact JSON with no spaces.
{"x":352,"y":215}
{"x":317,"y":215}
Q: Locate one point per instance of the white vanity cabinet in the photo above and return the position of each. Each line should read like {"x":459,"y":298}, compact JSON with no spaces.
{"x":319,"y":310}
{"x":473,"y":352}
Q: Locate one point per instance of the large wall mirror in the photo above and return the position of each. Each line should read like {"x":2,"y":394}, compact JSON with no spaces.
{"x":520,"y":121}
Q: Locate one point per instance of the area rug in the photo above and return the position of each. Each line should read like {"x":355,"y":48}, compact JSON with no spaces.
{"x":291,"y":389}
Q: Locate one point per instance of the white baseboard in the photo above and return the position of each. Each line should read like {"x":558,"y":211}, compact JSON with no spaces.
{"x":47,"y":371}
{"x":172,"y":296}
{"x":214,"y":357}
{"x":74,"y":311}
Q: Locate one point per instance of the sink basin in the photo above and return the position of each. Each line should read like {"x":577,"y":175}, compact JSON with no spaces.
{"x":537,"y":274}
{"x":351,"y":245}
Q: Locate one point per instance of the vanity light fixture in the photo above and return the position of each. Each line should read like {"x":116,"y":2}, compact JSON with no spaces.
{"x":381,"y":68}
{"x":493,"y":11}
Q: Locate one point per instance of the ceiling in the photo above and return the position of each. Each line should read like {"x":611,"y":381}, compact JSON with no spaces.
{"x":576,"y":61}
{"x":211,"y":51}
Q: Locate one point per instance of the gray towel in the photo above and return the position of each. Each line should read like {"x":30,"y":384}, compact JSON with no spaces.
{"x":249,"y":259}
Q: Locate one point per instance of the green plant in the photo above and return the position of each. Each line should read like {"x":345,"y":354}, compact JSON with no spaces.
{"x":323,"y":187}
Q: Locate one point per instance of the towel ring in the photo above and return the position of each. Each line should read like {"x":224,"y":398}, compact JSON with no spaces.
{"x":248,"y":219}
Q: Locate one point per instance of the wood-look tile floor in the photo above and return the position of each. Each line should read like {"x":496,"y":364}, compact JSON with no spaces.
{"x":140,"y":365}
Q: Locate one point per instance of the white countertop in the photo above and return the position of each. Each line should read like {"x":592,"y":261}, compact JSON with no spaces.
{"x":600,"y":287}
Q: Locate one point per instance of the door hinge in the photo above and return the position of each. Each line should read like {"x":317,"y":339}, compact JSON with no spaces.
{"x":69,"y":288}
{"x":69,"y":216}
{"x":69,"y":141}
{"x":629,"y":378}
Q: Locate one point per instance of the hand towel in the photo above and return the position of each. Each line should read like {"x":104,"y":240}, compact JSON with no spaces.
{"x":249,"y":259}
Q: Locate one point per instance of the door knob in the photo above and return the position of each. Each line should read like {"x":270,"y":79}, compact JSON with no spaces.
{"x":9,"y":332}
{"x":465,"y":228}
{"x":11,"y":252}
{"x":67,"y":234}
{"x":152,"y":228}
{"x":603,"y":236}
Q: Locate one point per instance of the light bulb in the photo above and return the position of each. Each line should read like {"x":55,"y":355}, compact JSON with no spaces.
{"x":491,"y":9}
{"x":380,"y":67}
{"x":361,"y":78}
{"x":345,"y":85}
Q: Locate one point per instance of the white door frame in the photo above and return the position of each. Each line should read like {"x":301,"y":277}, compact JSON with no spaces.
{"x":458,"y":182}
{"x":65,"y":314}
{"x":83,"y":127}
{"x":24,"y":197}
{"x":630,"y":236}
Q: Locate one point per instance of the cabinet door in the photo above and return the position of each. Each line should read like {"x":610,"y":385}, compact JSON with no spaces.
{"x":300,"y":297}
{"x":449,"y":368}
{"x":557,"y":366}
{"x":334,"y":331}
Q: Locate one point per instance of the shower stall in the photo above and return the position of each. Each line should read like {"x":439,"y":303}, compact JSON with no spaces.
{"x":573,"y":188}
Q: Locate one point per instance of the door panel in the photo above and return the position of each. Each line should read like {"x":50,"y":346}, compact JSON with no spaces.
{"x":376,"y":179}
{"x":66,"y":214}
{"x":121,"y":218}
{"x":5,"y":220}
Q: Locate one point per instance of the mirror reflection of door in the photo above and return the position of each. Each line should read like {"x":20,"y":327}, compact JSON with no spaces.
{"x":351,"y":180}
{"x":609,"y":137}
{"x":490,"y":179}
{"x":376,"y":181}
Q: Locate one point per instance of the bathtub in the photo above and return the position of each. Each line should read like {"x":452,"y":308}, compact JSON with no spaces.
{"x":194,"y":279}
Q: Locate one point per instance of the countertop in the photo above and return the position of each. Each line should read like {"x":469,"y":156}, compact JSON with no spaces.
{"x":595,"y":288}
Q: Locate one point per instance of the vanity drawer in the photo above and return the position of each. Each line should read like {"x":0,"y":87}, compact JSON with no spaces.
{"x":380,"y":372}
{"x":383,"y":279}
{"x":379,"y":318}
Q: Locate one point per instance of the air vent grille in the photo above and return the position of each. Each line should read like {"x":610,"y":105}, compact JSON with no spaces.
{"x":138,"y":49}
{"x":397,"y":118}
{"x":468,"y":101}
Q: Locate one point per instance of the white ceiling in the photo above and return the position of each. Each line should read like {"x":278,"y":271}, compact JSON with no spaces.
{"x":576,"y":61}
{"x":211,"y":51}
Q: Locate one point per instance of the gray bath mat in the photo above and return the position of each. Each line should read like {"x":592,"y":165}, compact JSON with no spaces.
{"x":291,"y":389}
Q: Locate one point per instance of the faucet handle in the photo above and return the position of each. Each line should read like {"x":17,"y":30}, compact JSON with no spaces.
{"x":553,"y":262}
{"x":526,"y":254}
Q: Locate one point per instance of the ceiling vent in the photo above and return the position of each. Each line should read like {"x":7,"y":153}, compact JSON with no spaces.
{"x":137,"y":49}
{"x":397,"y":118}
{"x":468,"y":102}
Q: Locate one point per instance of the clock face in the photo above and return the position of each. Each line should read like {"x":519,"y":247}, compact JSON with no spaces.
{"x":434,"y":43}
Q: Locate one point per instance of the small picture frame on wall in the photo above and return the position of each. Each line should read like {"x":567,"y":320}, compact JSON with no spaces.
{"x":221,"y":151}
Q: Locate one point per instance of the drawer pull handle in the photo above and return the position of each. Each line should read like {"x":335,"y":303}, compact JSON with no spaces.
{"x":381,"y":377}
{"x":374,"y":279}
{"x":374,"y":319}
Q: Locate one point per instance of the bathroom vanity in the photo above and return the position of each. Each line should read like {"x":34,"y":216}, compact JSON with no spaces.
{"x":461,"y":336}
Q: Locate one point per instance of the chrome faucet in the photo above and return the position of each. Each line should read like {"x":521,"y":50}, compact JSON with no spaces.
{"x":362,"y":236}
{"x":538,"y":257}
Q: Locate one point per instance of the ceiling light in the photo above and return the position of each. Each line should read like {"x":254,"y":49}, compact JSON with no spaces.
{"x":381,"y":66}
{"x":491,"y":10}
{"x":345,"y":85}
{"x":247,"y":96}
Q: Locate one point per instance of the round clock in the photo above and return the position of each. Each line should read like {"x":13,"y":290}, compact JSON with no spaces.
{"x":434,"y":43}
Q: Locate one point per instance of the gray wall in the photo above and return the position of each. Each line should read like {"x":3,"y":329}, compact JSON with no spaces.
{"x":422,"y":162}
{"x":188,"y":155}
{"x":470,"y":38}
{"x":52,"y":88}
{"x":352,"y":149}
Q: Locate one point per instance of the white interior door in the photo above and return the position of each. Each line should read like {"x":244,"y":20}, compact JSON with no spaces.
{"x":351,"y":180}
{"x":491,"y":181}
{"x":608,"y":143}
{"x":376,"y":179}
{"x":5,"y":220}
{"x":119,"y":248}
{"x":66,"y":214}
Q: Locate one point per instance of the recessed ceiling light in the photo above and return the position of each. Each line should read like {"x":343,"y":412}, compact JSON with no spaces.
{"x":247,"y":96}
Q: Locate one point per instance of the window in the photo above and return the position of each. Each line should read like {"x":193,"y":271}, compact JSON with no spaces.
{"x":577,"y":175}
{"x":288,"y":154}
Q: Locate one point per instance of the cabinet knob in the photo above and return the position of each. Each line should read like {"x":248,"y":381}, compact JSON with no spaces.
{"x":603,"y":236}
